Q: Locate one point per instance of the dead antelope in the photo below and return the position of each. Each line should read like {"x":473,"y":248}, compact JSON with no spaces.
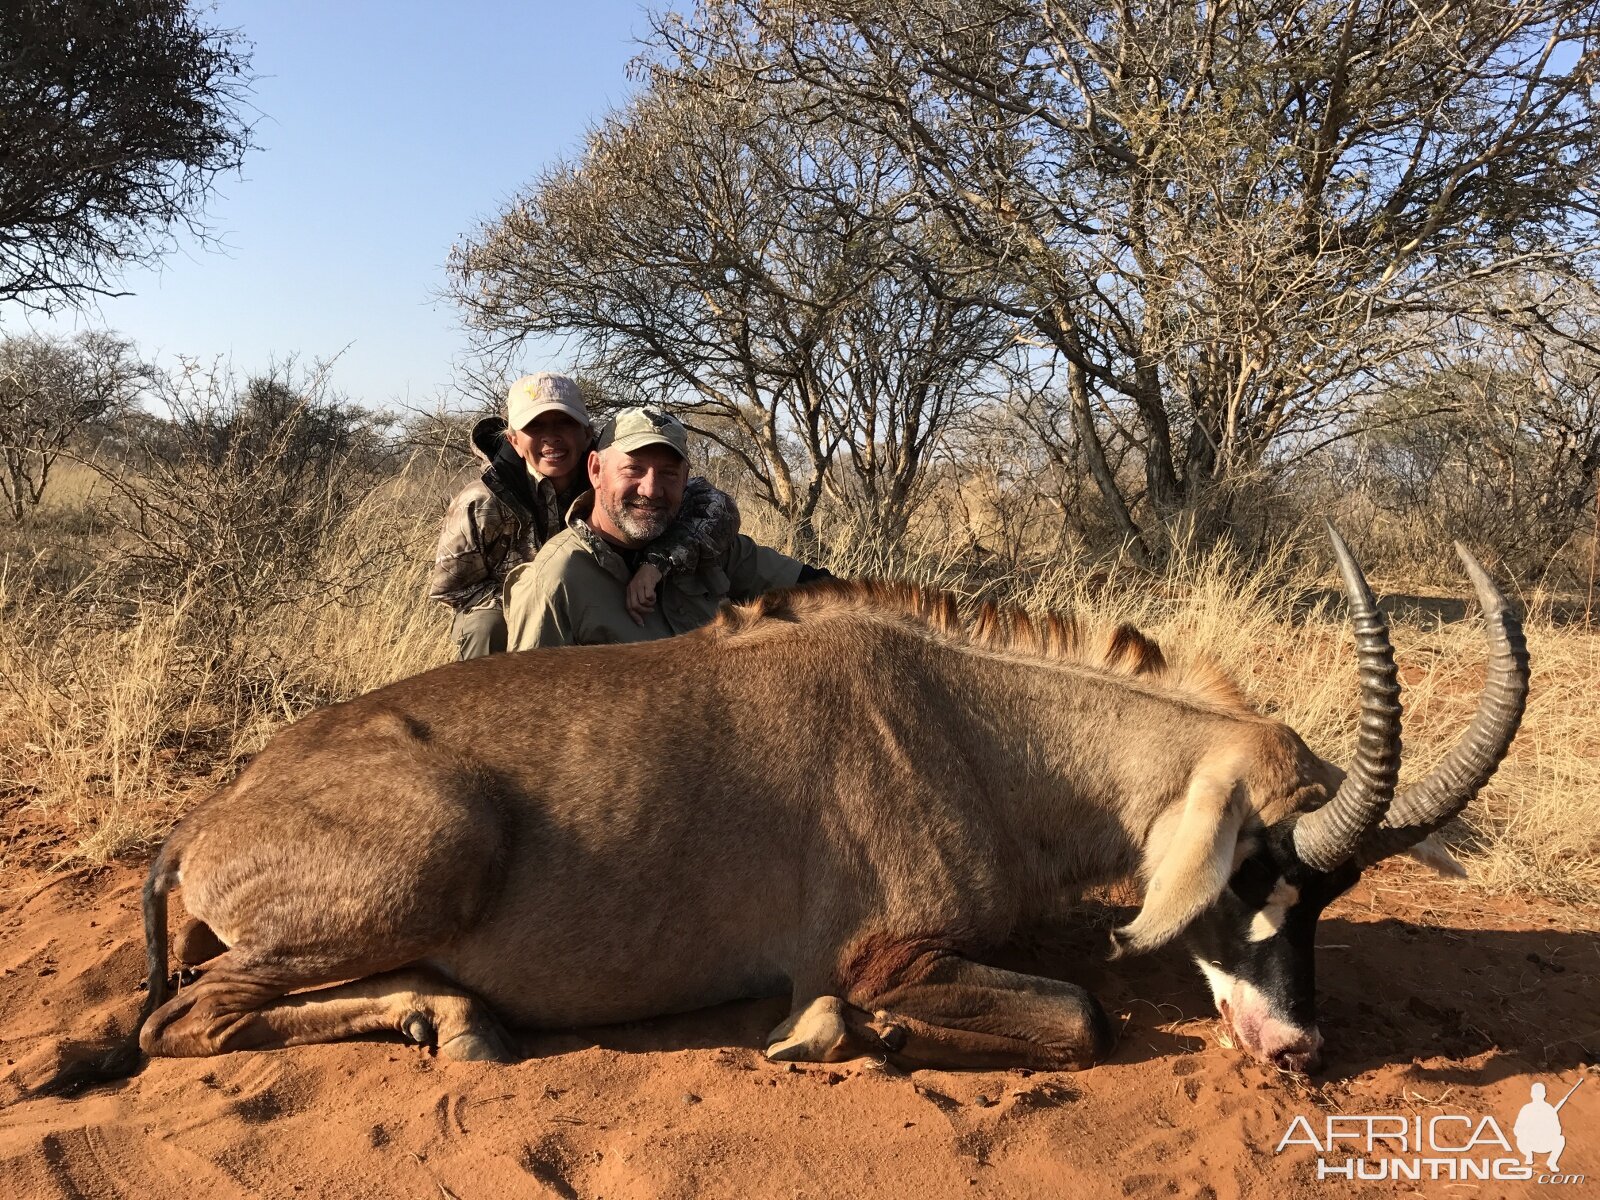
{"x":844,"y":792}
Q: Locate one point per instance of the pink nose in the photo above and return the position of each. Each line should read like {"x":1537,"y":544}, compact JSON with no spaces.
{"x":1275,"y":1042}
{"x":1291,"y":1049}
{"x":1301,"y":1060}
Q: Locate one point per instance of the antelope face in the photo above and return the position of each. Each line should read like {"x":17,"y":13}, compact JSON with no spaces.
{"x":1256,"y":947}
{"x":1256,"y":943}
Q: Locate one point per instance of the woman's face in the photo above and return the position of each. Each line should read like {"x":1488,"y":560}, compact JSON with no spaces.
{"x":553,"y":444}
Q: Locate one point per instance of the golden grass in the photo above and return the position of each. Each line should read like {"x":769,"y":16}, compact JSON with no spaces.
{"x":1536,"y":827}
{"x":85,"y":726}
{"x":74,"y":485}
{"x":111,"y":730}
{"x":99,"y":732}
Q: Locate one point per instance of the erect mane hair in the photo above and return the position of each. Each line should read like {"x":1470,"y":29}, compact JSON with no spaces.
{"x":1120,"y":650}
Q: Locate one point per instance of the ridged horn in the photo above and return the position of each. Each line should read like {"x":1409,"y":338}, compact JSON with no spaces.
{"x":1451,"y":785}
{"x":1328,"y":836}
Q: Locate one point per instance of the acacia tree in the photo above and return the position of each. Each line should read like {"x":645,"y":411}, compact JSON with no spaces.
{"x":1498,"y":437}
{"x":49,"y":389}
{"x":721,"y":249}
{"x":1228,"y":218}
{"x":115,"y":121}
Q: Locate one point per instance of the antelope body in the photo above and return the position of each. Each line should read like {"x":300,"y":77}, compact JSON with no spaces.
{"x":845,"y":792}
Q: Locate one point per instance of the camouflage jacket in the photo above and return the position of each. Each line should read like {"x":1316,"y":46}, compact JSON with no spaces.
{"x":502,"y":518}
{"x":575,"y":593}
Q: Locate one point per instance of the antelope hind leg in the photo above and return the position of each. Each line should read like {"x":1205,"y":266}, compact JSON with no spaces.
{"x":196,"y":943}
{"x":237,"y":1008}
{"x":948,"y":1011}
{"x":418,"y":1004}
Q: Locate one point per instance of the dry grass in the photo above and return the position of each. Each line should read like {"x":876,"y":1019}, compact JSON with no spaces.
{"x":102,"y":735}
{"x":111,"y":727}
{"x":1536,"y":828}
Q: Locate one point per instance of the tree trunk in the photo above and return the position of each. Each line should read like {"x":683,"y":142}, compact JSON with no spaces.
{"x":1095,"y":454}
{"x":1160,"y":471}
{"x":15,"y":485}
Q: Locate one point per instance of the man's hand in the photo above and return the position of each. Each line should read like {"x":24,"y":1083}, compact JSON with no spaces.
{"x":642,"y":592}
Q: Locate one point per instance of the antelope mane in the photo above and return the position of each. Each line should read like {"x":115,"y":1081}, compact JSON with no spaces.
{"x":1121,"y":650}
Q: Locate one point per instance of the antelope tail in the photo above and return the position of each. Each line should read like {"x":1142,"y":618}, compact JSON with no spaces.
{"x":124,"y":1058}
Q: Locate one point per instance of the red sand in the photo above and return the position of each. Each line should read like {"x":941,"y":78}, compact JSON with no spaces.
{"x":1434,"y":1000}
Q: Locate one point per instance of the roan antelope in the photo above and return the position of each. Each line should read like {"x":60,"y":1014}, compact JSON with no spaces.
{"x":844,"y":792}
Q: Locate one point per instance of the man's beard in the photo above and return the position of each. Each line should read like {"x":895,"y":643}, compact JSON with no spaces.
{"x":640,"y":523}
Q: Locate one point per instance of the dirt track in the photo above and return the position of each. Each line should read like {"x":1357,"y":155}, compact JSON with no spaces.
{"x":1434,"y":1000}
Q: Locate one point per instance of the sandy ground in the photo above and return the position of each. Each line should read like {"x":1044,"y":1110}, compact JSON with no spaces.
{"x":1435,"y":1000}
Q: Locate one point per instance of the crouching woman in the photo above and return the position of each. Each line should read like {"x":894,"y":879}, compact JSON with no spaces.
{"x":535,"y":467}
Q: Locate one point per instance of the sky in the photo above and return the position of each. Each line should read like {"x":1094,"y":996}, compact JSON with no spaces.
{"x":386,"y":132}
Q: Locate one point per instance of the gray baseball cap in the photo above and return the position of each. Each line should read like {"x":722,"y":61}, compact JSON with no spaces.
{"x":533,"y":395}
{"x":635,"y":428}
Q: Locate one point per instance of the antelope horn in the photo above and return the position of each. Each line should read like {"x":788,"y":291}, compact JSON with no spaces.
{"x":1328,"y":836}
{"x":1451,"y":785}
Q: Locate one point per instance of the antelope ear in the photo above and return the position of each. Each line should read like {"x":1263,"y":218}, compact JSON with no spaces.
{"x":1431,"y":852}
{"x":1188,"y":862}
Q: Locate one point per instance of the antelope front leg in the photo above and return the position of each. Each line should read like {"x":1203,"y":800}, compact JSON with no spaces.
{"x":947,"y":1011}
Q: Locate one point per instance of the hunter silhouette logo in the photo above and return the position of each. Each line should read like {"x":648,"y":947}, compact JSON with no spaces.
{"x":1450,"y":1146}
{"x":1538,"y":1127}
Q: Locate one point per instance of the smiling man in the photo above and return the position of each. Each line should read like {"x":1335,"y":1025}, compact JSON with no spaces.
{"x":534,"y":469}
{"x":575,"y":592}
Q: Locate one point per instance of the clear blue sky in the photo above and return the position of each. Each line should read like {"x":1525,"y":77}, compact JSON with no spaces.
{"x":386,"y":131}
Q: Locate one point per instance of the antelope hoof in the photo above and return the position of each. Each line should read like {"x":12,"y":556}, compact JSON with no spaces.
{"x":478,"y":1045}
{"x":795,"y":1050}
{"x":892,"y":1036}
{"x":818,"y":1034}
{"x":418,"y":1028}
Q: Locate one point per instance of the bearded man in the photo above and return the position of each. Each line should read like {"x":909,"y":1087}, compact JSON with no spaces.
{"x":575,"y":592}
{"x":534,"y":462}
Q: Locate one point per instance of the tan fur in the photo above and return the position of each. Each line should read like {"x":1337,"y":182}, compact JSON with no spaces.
{"x":848,"y":789}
